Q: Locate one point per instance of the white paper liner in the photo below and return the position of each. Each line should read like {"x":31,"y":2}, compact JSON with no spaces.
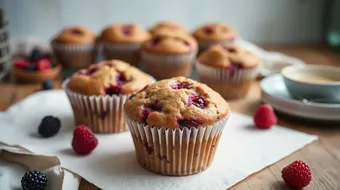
{"x":103,"y":114}
{"x":120,"y":46}
{"x":167,"y":60}
{"x":225,"y":75}
{"x":205,"y":44}
{"x":72,"y":48}
{"x":177,"y":152}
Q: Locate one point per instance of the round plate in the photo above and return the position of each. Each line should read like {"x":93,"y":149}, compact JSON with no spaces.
{"x":274,"y":92}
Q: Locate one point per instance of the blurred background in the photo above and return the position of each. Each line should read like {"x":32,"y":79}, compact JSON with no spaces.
{"x":260,"y":21}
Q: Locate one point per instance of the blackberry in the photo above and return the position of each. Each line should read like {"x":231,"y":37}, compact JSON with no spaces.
{"x":47,"y":85}
{"x":36,"y":54}
{"x":49,"y":126}
{"x":34,"y":180}
{"x":31,"y":67}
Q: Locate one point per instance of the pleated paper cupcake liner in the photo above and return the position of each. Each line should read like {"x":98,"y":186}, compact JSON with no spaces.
{"x":102,"y":114}
{"x":70,"y":48}
{"x":176,"y":152}
{"x":167,"y":60}
{"x":125,"y":52}
{"x":205,"y":44}
{"x":225,"y":75}
{"x":75,"y":56}
{"x":120,"y":46}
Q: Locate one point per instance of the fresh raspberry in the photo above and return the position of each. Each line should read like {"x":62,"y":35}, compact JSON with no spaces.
{"x":21,"y":63}
{"x":297,"y":174}
{"x":44,"y":65}
{"x":83,"y":141}
{"x":265,"y":117}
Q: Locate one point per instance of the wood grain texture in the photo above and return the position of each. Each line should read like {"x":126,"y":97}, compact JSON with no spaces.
{"x":323,"y":155}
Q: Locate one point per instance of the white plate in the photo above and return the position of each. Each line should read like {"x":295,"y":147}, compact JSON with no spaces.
{"x":274,"y":92}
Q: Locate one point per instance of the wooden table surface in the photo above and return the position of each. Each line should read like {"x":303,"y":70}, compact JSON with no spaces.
{"x":323,"y":156}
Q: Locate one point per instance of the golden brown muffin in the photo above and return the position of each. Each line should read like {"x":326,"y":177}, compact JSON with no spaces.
{"x":124,"y":33}
{"x":170,"y":44}
{"x":176,"y":103}
{"x":113,"y":77}
{"x":75,"y":35}
{"x":229,"y":56}
{"x":215,"y":32}
{"x":167,"y":26}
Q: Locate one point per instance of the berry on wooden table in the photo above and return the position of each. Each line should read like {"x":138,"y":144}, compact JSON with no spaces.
{"x":47,"y":85}
{"x":49,"y":126}
{"x":34,"y":180}
{"x":265,"y":117}
{"x":297,"y":174}
{"x":84,"y":141}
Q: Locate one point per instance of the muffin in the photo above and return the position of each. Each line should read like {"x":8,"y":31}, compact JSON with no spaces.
{"x":123,"y":41}
{"x":228,"y":70}
{"x":176,"y":125}
{"x":168,"y":26}
{"x":97,"y":94}
{"x":75,"y":47}
{"x":214,"y":33}
{"x":168,"y":55}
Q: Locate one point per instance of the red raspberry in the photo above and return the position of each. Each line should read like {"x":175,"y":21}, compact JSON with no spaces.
{"x":44,"y":65}
{"x":297,"y":174}
{"x":83,"y":141}
{"x":265,"y":117}
{"x":21,"y":63}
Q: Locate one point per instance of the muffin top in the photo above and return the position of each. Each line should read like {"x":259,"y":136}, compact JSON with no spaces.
{"x":231,"y":56}
{"x":168,"y":26}
{"x":215,"y":32}
{"x":124,"y":33}
{"x":112,"y":77}
{"x":170,"y":43}
{"x":176,"y":103}
{"x":75,"y":35}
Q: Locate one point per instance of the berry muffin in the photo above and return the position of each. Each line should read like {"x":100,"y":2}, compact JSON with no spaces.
{"x":168,"y":26}
{"x":214,"y":33}
{"x":97,"y":94}
{"x":75,"y":47}
{"x":228,"y":70}
{"x":123,"y":41}
{"x":176,"y":125}
{"x":168,"y":55}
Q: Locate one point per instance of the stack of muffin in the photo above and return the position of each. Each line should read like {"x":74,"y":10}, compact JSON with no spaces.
{"x":176,"y":122}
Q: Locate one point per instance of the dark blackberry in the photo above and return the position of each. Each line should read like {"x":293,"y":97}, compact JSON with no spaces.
{"x":47,"y":85}
{"x":34,"y":180}
{"x":31,"y":67}
{"x":36,"y":54}
{"x":49,"y":126}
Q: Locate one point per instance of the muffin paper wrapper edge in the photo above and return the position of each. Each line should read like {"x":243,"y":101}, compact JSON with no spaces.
{"x":73,"y":48}
{"x":204,"y":44}
{"x":225,"y":75}
{"x":167,"y":60}
{"x":120,"y":46}
{"x":102,"y":114}
{"x":177,"y":152}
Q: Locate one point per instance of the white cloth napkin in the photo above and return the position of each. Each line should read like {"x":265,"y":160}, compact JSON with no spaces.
{"x":271,"y":62}
{"x":242,"y":150}
{"x":16,"y":161}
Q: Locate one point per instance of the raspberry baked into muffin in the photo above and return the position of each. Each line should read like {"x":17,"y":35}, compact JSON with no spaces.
{"x":123,"y":41}
{"x":168,"y":26}
{"x":97,"y":94}
{"x":168,"y":55}
{"x":214,"y":33}
{"x":176,"y":125}
{"x":75,"y":47}
{"x":228,"y":70}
